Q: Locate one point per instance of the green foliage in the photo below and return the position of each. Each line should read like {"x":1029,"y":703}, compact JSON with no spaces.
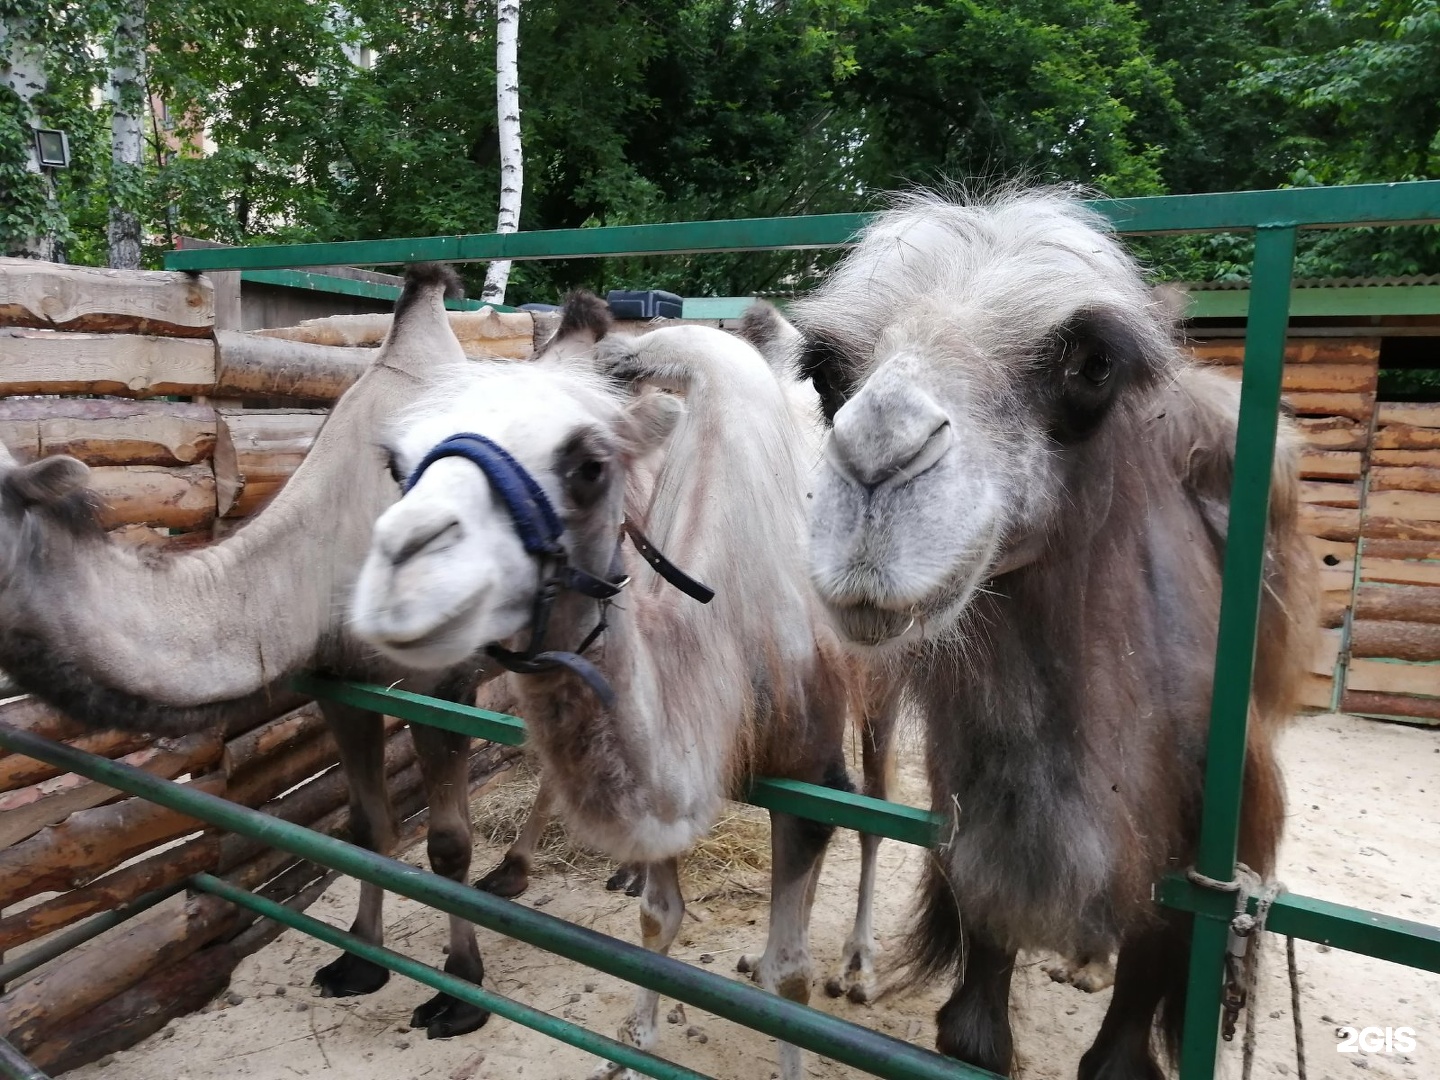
{"x":685,"y":109}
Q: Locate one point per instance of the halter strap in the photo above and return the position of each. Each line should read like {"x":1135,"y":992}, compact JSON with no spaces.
{"x":540,"y":530}
{"x":535,"y":519}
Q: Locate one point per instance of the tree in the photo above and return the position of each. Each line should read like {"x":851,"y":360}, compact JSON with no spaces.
{"x":31,"y":216}
{"x":512,"y":160}
{"x":127,"y":117}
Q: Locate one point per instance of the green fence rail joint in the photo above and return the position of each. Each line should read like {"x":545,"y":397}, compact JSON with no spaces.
{"x":875,"y":1053}
{"x":498,"y":1004}
{"x":1385,"y":937}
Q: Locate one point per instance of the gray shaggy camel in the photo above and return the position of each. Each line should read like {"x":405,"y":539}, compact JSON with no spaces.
{"x":1028,"y":483}
{"x":171,"y":644}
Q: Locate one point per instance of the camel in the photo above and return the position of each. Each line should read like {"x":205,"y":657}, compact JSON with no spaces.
{"x":170,"y":644}
{"x":1026,"y":483}
{"x":651,"y":728}
{"x":879,"y":701}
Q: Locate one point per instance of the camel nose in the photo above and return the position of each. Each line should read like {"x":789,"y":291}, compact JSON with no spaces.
{"x":425,"y":533}
{"x":890,"y":429}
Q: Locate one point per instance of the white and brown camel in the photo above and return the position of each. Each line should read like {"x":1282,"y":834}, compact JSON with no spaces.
{"x":878,"y":693}
{"x":120,"y":638}
{"x":702,"y":695}
{"x":1029,"y":483}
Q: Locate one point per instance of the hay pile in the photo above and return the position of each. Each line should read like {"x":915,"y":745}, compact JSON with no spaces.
{"x":733,"y":862}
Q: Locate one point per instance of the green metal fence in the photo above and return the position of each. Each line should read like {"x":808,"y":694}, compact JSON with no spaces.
{"x":1276,"y":218}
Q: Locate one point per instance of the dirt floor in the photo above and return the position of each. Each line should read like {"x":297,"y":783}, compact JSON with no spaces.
{"x":1364,"y":830}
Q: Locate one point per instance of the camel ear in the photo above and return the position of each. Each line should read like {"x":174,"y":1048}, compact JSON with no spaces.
{"x":48,"y":480}
{"x":648,"y":420}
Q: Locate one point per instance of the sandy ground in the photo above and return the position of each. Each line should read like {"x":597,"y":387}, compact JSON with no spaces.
{"x":1365,"y":830}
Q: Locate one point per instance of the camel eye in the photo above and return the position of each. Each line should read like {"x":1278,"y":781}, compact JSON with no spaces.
{"x":590,"y":472}
{"x":394,"y":469}
{"x":1096,"y":368}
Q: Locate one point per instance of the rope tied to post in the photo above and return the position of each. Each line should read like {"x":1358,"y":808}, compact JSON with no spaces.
{"x":1242,"y":963}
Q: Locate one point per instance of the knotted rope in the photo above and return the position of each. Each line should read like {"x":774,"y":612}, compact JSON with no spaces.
{"x":1242,"y":963}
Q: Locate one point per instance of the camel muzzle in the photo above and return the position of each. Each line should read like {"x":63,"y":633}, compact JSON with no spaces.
{"x":541,"y":531}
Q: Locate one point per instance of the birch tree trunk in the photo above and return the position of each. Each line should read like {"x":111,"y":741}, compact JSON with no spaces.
{"x":23,"y":71}
{"x":512,"y":167}
{"x":127,"y":145}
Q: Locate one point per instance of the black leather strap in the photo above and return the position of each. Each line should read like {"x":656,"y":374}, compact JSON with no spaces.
{"x":666,"y":569}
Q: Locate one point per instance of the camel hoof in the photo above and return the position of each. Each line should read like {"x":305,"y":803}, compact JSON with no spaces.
{"x":1091,"y":976}
{"x":630,"y":877}
{"x":509,"y":879}
{"x":444,"y":1017}
{"x":747,"y":965}
{"x":855,"y":978}
{"x":350,"y":976}
{"x":608,"y":1070}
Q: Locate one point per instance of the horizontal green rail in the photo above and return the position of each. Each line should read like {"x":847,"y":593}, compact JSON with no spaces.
{"x":75,"y":936}
{"x":1351,"y":929}
{"x":849,"y":810}
{"x":1415,"y":202}
{"x":456,"y":987}
{"x":1385,"y":937}
{"x":875,"y":1053}
{"x":342,"y":286}
{"x":15,"y":1066}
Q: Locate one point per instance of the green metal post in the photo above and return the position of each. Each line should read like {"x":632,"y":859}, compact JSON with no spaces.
{"x":15,"y":1066}
{"x":517,"y":1011}
{"x":875,"y":1053}
{"x":1235,"y":644}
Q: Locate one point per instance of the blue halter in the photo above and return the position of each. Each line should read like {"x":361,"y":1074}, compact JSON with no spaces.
{"x":540,"y":530}
{"x":535,"y":519}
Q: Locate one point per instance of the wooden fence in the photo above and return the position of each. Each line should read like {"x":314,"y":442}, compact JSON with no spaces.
{"x":1371,"y":490}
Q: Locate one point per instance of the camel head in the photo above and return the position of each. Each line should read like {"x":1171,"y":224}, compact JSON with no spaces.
{"x":971,"y":359}
{"x":453,"y":565}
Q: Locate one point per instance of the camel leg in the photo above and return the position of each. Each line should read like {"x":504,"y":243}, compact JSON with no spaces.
{"x":1149,"y":968}
{"x":512,"y":876}
{"x":360,"y":736}
{"x":445,"y":766}
{"x":797,"y":848}
{"x":855,"y":977}
{"x":662,"y":909}
{"x":974,"y":1025}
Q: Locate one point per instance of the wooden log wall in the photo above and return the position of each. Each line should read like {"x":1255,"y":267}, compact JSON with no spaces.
{"x":1330,"y":385}
{"x":92,"y":363}
{"x":188,"y":431}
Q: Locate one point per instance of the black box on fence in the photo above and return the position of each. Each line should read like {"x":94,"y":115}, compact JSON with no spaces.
{"x":649,"y":304}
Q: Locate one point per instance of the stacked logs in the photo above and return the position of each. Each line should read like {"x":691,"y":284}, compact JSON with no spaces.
{"x":1330,"y":385}
{"x":104,"y":348}
{"x":127,"y":372}
{"x":1394,"y":661}
{"x":72,"y":849}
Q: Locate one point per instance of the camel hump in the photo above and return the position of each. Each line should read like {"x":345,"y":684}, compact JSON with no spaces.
{"x":764,"y":327}
{"x":584,"y":315}
{"x":422,"y":278}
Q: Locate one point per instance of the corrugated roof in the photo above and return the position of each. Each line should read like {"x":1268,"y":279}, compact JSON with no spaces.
{"x":1317,"y":283}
